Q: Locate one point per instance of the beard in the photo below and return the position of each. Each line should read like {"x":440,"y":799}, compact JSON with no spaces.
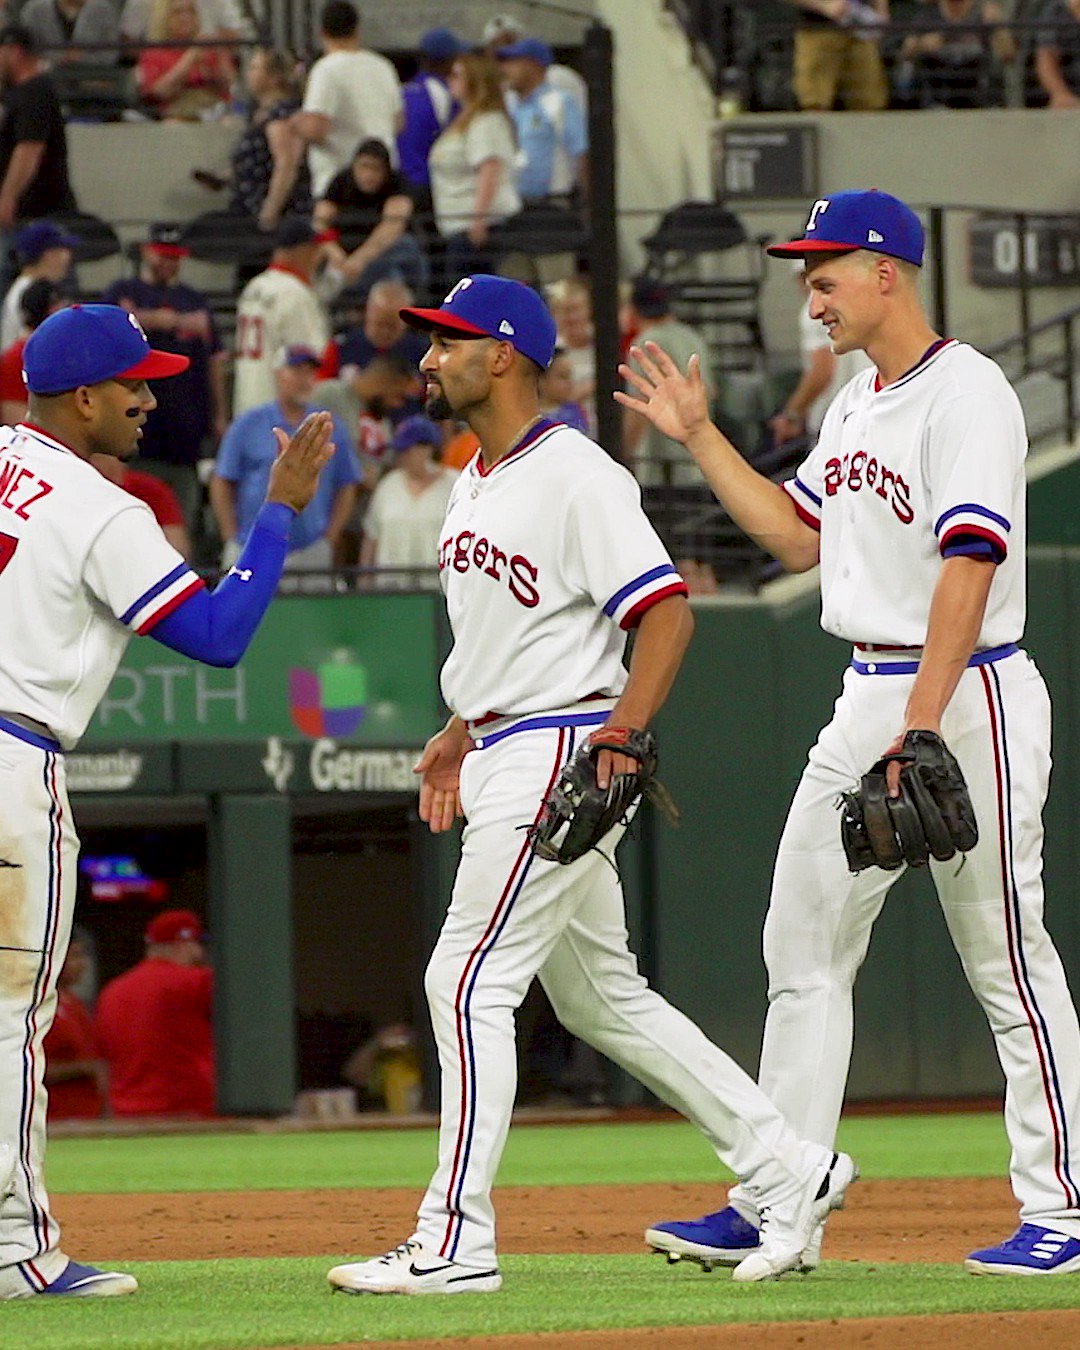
{"x":437,"y":407}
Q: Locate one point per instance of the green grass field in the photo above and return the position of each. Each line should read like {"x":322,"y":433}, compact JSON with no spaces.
{"x":233,"y":1305}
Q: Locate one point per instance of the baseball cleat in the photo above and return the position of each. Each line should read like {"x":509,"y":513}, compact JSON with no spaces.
{"x":720,"y":1239}
{"x":409,"y":1269}
{"x":790,"y":1221}
{"x":75,"y":1281}
{"x":1032,"y":1250}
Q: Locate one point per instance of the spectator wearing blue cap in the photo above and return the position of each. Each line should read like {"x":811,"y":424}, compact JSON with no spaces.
{"x":33,"y":143}
{"x":45,"y":251}
{"x":504,"y":29}
{"x":246,"y":458}
{"x":401,"y":528}
{"x":429,"y":106}
{"x":656,"y":459}
{"x":550,"y":125}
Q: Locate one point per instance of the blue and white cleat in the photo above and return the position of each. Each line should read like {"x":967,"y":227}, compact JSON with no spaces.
{"x":719,"y":1239}
{"x":74,"y":1281}
{"x":1031,"y":1250}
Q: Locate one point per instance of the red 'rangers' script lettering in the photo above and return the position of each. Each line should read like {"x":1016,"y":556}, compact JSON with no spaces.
{"x":855,"y":471}
{"x":465,"y":550}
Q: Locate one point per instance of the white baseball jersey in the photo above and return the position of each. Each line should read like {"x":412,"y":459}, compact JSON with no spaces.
{"x":546,"y":559}
{"x":277,"y":308}
{"x":901,"y":473}
{"x":83,"y":565}
{"x":359,"y":91}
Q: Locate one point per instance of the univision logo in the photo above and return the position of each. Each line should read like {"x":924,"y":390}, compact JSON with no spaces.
{"x":330,"y":700}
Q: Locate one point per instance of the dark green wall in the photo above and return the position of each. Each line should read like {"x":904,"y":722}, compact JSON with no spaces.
{"x":757,"y":685}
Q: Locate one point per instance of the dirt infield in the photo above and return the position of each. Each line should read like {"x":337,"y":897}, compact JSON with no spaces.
{"x":885,"y":1221}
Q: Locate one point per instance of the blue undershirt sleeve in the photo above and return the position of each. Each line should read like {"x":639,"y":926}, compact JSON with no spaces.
{"x":216,"y":627}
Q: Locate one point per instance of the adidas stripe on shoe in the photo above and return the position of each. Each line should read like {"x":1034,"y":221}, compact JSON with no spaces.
{"x":1032,"y":1250}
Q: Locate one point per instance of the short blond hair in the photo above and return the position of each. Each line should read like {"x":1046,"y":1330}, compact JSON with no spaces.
{"x":157,"y":28}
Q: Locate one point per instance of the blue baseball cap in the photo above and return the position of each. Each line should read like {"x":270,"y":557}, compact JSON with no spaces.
{"x":496,"y":307}
{"x":41,"y":235}
{"x":531,"y":49}
{"x":296,"y":354}
{"x":417,"y":430}
{"x":440,"y":44}
{"x":88,"y":344}
{"x":847,"y":221}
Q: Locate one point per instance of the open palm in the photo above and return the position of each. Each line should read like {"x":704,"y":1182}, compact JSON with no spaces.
{"x":676,"y":404}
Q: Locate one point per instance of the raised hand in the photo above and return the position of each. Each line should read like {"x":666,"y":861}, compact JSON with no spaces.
{"x":294,"y":476}
{"x":676,"y":404}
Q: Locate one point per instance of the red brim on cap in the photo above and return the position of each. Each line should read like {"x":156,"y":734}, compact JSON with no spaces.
{"x":439,"y":318}
{"x":155,"y":365}
{"x":169,"y":250}
{"x":798,"y":248}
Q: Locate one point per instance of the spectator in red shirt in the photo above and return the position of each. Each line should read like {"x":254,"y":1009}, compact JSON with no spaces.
{"x":182,"y":83}
{"x":75,"y":1073}
{"x":153,"y":1023}
{"x":40,"y":299}
{"x":158,"y":496}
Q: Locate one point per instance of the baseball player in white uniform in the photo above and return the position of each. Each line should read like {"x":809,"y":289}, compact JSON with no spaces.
{"x":279,"y":308}
{"x":913,"y":502}
{"x":83,"y":566}
{"x":547,"y":560}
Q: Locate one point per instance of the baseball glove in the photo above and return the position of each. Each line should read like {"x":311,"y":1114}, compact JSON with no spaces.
{"x":932,"y":816}
{"x":576,"y":813}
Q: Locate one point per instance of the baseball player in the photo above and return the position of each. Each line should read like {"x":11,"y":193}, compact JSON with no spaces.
{"x":913,"y":503}
{"x":278,"y":308}
{"x":83,"y":566}
{"x":547,"y":561}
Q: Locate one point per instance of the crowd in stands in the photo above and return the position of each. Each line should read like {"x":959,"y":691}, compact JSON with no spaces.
{"x":364,"y":195}
{"x":868,"y":55}
{"x":358,"y":194}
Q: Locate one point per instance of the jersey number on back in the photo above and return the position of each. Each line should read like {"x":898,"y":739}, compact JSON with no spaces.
{"x":249,"y":336}
{"x":8,"y":545}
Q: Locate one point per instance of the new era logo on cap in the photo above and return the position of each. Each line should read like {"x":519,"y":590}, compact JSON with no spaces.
{"x":498,"y":307}
{"x":847,"y":221}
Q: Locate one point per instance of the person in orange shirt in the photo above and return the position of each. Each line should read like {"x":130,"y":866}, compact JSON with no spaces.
{"x":154,"y":1024}
{"x":460,"y":444}
{"x":75,"y":1073}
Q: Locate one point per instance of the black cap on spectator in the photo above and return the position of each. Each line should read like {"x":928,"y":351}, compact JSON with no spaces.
{"x":375,"y":148}
{"x":17,"y":35}
{"x":37,"y":301}
{"x":651,"y":298}
{"x":296,"y":230}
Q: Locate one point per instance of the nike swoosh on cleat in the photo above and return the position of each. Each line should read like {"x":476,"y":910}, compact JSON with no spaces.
{"x":430,"y":1270}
